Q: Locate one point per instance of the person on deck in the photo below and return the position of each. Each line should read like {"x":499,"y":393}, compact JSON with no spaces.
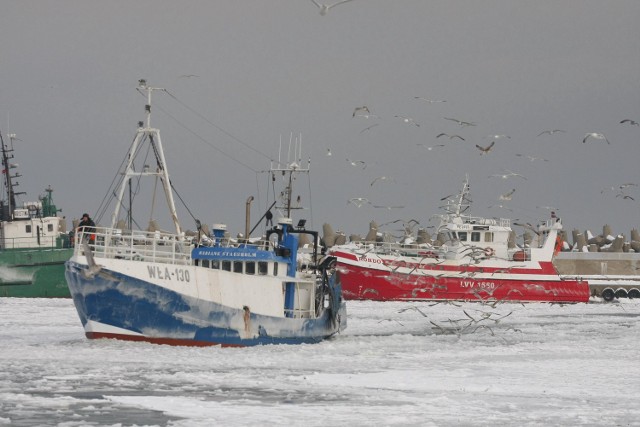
{"x":89,"y":227}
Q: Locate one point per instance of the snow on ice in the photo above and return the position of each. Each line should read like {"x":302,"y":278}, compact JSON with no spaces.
{"x":396,"y":364}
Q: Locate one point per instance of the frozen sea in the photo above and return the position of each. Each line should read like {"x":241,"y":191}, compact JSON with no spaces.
{"x":396,"y":364}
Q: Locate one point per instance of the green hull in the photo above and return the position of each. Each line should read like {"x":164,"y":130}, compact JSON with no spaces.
{"x":34,"y":273}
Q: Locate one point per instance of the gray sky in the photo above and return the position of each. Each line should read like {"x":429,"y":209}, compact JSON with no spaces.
{"x":269,"y":68}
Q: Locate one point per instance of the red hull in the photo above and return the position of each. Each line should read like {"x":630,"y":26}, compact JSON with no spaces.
{"x":360,"y":283}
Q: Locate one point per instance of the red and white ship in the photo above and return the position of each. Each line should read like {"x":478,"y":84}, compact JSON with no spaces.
{"x":476,"y":262}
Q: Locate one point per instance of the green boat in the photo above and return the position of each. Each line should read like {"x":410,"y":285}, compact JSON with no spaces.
{"x":34,"y":244}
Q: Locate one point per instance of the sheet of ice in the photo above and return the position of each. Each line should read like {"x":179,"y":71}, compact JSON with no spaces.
{"x":396,"y":364}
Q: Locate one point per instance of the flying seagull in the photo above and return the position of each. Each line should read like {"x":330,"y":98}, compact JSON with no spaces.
{"x":507,"y":196}
{"x":369,"y":127}
{"x":380,"y":178}
{"x":551,"y":132}
{"x":594,"y":135}
{"x":450,"y":136}
{"x":324,"y":8}
{"x":624,"y":196}
{"x":430,"y":101}
{"x":358,"y":163}
{"x":430,"y":147}
{"x":531,"y":157}
{"x":501,"y":207}
{"x":460,"y":122}
{"x":631,"y":122}
{"x":507,"y":173}
{"x":499,"y":136}
{"x":408,"y":120}
{"x":358,"y":110}
{"x":358,"y":201}
{"x":485,"y":150}
{"x":388,"y":207}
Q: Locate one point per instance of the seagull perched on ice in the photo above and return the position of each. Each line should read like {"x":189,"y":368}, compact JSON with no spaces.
{"x":450,"y":136}
{"x":551,"y":132}
{"x":631,"y":122}
{"x":324,"y":8}
{"x":595,"y":135}
{"x":485,"y":150}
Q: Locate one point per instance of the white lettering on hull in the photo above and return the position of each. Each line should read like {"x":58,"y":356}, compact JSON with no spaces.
{"x":477,"y":284}
{"x":167,"y":273}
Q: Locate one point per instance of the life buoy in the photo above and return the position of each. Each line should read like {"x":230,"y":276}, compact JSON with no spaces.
{"x":489,"y":252}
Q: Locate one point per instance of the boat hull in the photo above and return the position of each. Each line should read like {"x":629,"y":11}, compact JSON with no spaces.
{"x":117,"y":305}
{"x":34,"y":273}
{"x":442,"y":282}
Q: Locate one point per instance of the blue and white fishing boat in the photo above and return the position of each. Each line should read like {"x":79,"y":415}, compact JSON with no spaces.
{"x":168,"y":288}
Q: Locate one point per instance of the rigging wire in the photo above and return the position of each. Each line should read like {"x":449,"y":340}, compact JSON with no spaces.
{"x":115,"y":182}
{"x":218,"y":127}
{"x":185,"y":127}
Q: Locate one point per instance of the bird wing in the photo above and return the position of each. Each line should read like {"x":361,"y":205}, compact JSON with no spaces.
{"x":336,"y":3}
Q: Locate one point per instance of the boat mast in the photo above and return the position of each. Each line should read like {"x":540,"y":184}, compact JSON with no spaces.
{"x":289,"y":171}
{"x":6,"y":171}
{"x":147,"y":133}
{"x":462,"y":197}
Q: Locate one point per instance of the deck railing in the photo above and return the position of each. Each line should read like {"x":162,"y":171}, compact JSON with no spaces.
{"x":49,"y":242}
{"x":113,"y":243}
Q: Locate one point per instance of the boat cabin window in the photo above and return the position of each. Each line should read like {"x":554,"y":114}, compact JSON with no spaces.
{"x":250,"y":267}
{"x":27,"y":228}
{"x":205,"y":263}
{"x":488,"y":236}
{"x":475,"y":236}
{"x":215,"y":264}
{"x":275,"y":268}
{"x":49,"y":227}
{"x":237,"y":266}
{"x":226,"y":265}
{"x":462,"y":236}
{"x":263,"y":268}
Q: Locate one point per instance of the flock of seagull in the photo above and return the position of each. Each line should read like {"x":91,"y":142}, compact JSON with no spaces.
{"x":365,"y":112}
